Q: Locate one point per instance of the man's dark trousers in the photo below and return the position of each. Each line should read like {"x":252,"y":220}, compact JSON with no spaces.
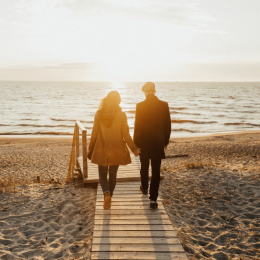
{"x":155,"y":181}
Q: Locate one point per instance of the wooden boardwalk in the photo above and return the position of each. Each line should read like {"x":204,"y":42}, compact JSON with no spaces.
{"x":130,"y":172}
{"x":131,"y":230}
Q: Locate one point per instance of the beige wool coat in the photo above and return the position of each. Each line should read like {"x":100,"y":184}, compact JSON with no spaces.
{"x":109,"y":143}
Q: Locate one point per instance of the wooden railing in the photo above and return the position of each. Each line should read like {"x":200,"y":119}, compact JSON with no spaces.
{"x":75,"y":159}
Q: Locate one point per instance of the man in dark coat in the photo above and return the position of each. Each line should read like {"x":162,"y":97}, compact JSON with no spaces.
{"x":151,"y":133}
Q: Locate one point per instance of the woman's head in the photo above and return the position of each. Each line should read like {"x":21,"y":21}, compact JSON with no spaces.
{"x":108,"y":106}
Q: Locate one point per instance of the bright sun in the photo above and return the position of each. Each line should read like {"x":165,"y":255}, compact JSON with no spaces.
{"x":122,"y":71}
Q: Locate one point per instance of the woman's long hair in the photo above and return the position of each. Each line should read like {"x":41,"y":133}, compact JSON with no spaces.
{"x":108,"y":107}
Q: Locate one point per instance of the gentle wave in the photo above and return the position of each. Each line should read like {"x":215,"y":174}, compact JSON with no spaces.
{"x":50,"y":125}
{"x":241,"y":124}
{"x":130,"y":111}
{"x":72,"y":120}
{"x":33,"y":125}
{"x":178,"y":121}
{"x":183,"y":113}
{"x":37,"y":133}
{"x":171,"y":112}
{"x":30,"y":119}
{"x":177,"y":108}
{"x":185,"y":130}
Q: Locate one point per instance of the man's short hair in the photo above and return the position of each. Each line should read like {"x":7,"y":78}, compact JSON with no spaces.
{"x":148,"y":87}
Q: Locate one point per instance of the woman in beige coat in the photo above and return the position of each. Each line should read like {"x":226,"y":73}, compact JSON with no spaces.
{"x":108,"y":141}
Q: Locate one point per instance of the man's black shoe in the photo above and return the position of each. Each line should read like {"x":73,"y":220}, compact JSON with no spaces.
{"x":153,"y":204}
{"x":145,"y":192}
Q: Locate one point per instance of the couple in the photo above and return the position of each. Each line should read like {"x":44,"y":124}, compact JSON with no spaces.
{"x":110,"y":134}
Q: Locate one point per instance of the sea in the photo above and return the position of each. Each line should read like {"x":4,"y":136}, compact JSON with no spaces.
{"x":199,"y":108}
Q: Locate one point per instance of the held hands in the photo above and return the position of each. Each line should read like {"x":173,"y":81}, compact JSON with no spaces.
{"x":137,"y":152}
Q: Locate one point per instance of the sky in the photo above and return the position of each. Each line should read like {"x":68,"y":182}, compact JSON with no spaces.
{"x":137,"y":40}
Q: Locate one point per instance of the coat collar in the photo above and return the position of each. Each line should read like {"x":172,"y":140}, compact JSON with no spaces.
{"x":150,"y":96}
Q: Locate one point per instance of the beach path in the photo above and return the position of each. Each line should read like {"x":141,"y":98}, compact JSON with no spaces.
{"x":131,"y":230}
{"x":130,"y":172}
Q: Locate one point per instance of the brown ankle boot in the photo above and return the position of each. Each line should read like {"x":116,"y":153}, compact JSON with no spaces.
{"x":107,"y":200}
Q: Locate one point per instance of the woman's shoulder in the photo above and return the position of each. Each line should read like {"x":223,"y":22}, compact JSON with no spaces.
{"x":121,"y":114}
{"x":97,"y":113}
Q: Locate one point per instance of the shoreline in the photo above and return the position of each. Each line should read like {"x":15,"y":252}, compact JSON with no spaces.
{"x":25,"y":138}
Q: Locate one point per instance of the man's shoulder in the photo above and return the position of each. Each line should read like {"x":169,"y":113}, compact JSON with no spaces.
{"x":140,"y":103}
{"x":162,"y":103}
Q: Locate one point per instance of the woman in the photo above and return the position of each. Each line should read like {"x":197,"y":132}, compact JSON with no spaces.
{"x":108,"y":143}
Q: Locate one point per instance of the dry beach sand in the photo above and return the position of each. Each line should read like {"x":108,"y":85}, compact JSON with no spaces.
{"x":212,"y":197}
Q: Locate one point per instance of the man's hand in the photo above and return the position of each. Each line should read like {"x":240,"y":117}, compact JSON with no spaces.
{"x":165,"y":147}
{"x":137,"y":152}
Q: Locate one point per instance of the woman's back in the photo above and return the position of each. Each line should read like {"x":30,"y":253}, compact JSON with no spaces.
{"x":109,"y":143}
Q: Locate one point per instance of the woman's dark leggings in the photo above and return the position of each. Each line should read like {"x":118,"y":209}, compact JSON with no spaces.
{"x":105,"y":185}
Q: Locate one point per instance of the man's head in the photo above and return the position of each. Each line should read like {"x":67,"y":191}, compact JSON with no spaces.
{"x":148,"y":88}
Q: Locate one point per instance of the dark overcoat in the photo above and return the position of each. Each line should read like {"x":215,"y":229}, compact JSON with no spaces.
{"x":152,"y":127}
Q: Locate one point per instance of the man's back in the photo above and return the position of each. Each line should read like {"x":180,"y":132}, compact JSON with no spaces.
{"x":152,"y":127}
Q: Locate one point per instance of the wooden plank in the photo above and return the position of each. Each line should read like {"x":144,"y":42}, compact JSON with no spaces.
{"x":127,"y":199}
{"x":136,"y":195}
{"x":120,"y":169}
{"x":130,"y":165}
{"x":118,"y":192}
{"x":85,"y":154}
{"x":121,"y":185}
{"x":77,"y":140}
{"x":130,"y":207}
{"x":72,"y":156}
{"x":136,"y":240}
{"x":82,"y":128}
{"x":134,"y":227}
{"x":119,"y":176}
{"x":132,"y":222}
{"x":139,"y":255}
{"x":130,"y":212}
{"x":163,"y":216}
{"x":128,"y":183}
{"x":137,"y":248}
{"x":96,"y":180}
{"x":128,"y":203}
{"x":127,"y":188}
{"x":119,"y":173}
{"x":124,"y":197}
{"x":135,"y":233}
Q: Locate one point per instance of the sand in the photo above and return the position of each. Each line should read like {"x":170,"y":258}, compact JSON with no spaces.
{"x":212,"y":198}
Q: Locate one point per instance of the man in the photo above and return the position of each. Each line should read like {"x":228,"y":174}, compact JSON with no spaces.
{"x":151,"y":133}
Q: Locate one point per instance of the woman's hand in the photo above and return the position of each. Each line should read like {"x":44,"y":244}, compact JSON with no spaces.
{"x":137,"y":152}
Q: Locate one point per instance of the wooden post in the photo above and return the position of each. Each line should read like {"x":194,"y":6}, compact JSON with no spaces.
{"x":77,"y":140}
{"x":72,"y":156}
{"x":85,"y":154}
